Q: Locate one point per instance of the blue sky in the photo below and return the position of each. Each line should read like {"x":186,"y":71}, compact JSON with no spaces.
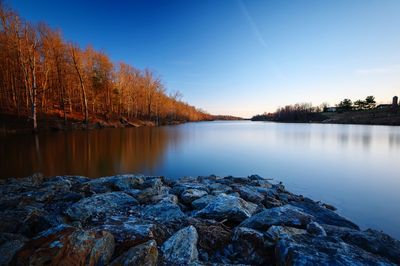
{"x":243,"y":57}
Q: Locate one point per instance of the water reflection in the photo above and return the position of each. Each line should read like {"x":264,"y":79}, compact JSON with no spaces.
{"x":90,"y":153}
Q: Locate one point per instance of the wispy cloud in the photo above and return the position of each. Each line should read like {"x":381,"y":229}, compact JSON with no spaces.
{"x":252,"y":24}
{"x":379,"y":70}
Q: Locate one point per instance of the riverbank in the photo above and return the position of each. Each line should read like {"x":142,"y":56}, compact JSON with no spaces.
{"x":12,"y":124}
{"x":139,"y":220}
{"x":361,"y":117}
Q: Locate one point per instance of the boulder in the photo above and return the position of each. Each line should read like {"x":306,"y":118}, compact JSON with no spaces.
{"x":375,"y":242}
{"x":276,"y":231}
{"x":202,"y":202}
{"x":115,"y":183}
{"x":249,"y":193}
{"x":163,"y":211}
{"x":181,"y":248}
{"x":101,"y":204}
{"x":227,"y":207}
{"x":145,"y":254}
{"x":251,"y":246}
{"x":9,"y":245}
{"x":323,"y":215}
{"x":305,"y":249}
{"x":190,"y":195}
{"x":316,"y":229}
{"x":66,"y":245}
{"x":286,"y":215}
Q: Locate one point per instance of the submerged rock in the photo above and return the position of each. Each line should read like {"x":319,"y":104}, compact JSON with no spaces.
{"x":181,"y":248}
{"x":227,"y":207}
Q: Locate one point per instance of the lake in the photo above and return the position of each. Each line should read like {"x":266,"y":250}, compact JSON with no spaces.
{"x":353,"y":167}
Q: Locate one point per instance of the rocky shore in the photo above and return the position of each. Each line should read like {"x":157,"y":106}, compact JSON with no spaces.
{"x":142,"y":220}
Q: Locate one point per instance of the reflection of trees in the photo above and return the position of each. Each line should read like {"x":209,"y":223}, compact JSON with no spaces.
{"x":92,"y":153}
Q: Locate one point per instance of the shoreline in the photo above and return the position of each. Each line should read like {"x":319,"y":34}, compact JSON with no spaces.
{"x":191,"y":220}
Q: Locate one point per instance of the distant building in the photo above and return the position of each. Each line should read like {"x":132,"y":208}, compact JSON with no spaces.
{"x":330,"y":109}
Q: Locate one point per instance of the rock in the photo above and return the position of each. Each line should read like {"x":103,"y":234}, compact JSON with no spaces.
{"x":128,"y":233}
{"x":66,"y":245}
{"x":213,"y":236}
{"x":285,"y":215}
{"x":305,"y":249}
{"x":249,"y":193}
{"x":202,"y":202}
{"x":181,"y":248}
{"x":115,"y":183}
{"x":276,"y":231}
{"x":323,"y":215}
{"x":227,"y":207}
{"x":375,"y":242}
{"x":315,"y":229}
{"x":163,"y":211}
{"x":178,"y":188}
{"x":252,"y":247}
{"x":144,"y":254}
{"x":238,"y":179}
{"x":9,"y":245}
{"x":270,"y":202}
{"x":147,"y":195}
{"x":255,"y":177}
{"x":217,"y":188}
{"x":102,"y":204}
{"x":190,"y":195}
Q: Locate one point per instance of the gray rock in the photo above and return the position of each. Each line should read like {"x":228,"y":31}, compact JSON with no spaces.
{"x":316,"y":229}
{"x":190,"y":195}
{"x":218,"y":188}
{"x":249,"y":193}
{"x":323,"y":215}
{"x":276,"y":231}
{"x":227,"y":207}
{"x":305,"y":249}
{"x":145,"y":254}
{"x":181,"y":248}
{"x":251,"y":246}
{"x":285,"y":215}
{"x":115,"y":183}
{"x":178,"y":188}
{"x":202,"y":202}
{"x":101,"y":204}
{"x":375,"y":242}
{"x":9,"y":245}
{"x":163,"y":211}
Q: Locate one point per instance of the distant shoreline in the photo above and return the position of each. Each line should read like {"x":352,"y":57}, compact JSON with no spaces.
{"x":365,"y":117}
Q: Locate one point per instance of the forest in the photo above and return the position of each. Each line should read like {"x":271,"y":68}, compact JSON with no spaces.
{"x":41,"y":74}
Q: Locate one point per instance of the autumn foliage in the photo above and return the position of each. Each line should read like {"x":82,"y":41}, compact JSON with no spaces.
{"x":41,"y":73}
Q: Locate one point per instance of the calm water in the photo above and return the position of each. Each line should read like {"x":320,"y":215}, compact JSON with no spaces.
{"x":355,"y":168}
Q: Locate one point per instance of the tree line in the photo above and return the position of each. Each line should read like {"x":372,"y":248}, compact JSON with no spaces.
{"x":305,"y":112}
{"x":347,"y":104}
{"x":41,"y":73}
